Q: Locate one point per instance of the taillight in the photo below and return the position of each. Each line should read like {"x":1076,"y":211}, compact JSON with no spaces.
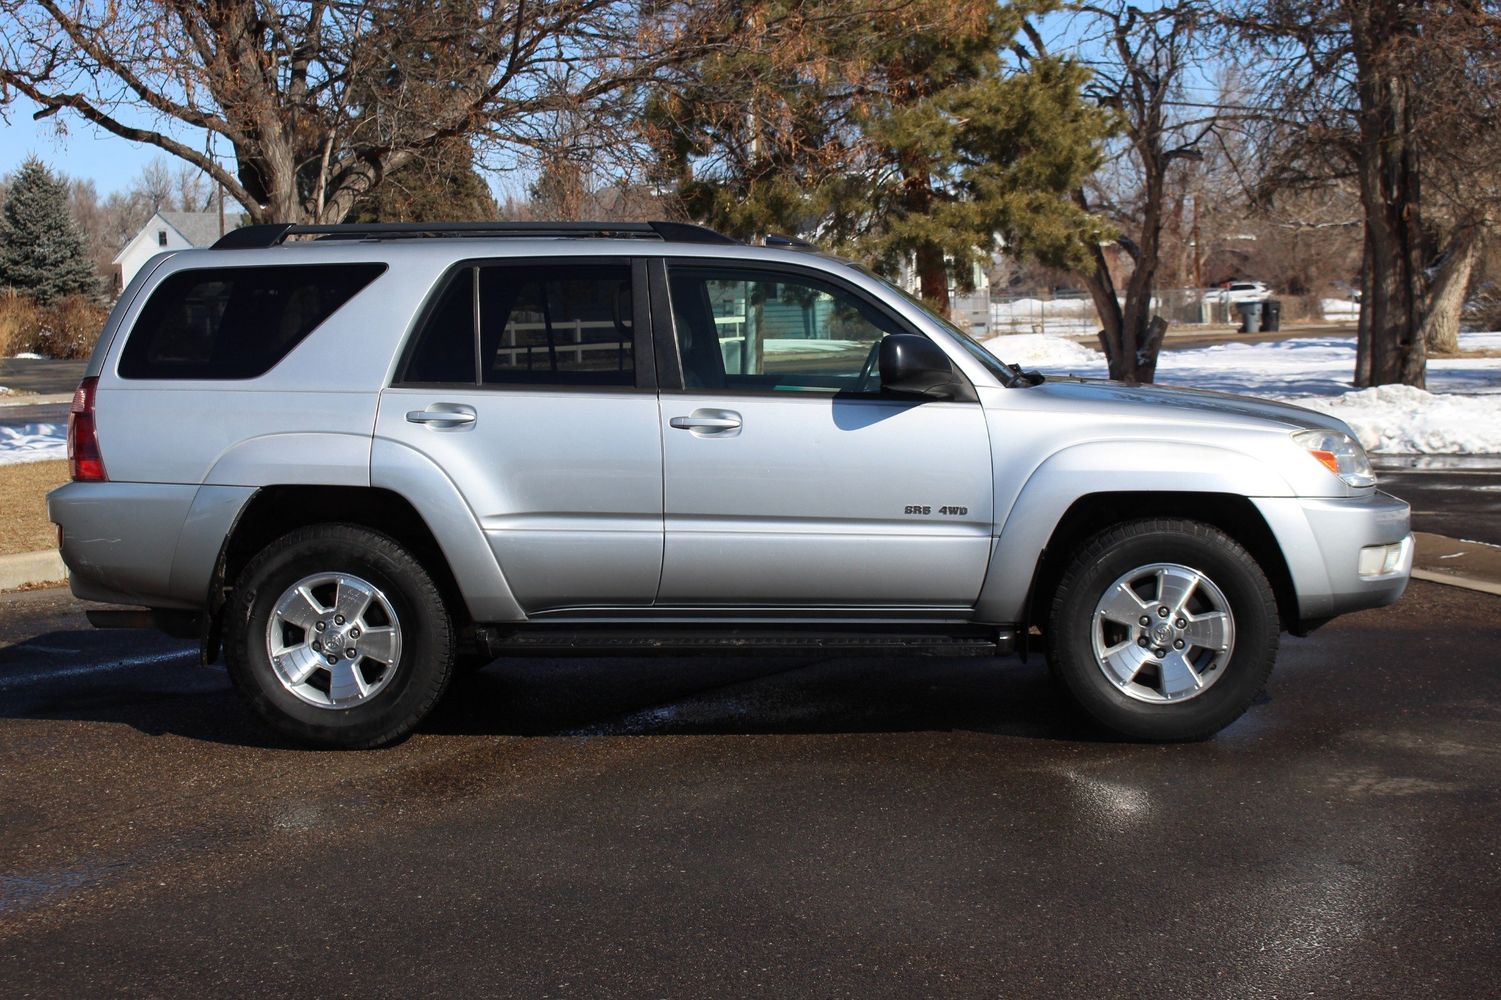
{"x":86,"y":462}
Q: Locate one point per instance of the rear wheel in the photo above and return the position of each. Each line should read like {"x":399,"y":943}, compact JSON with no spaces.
{"x":337,"y":636}
{"x":1163,"y":630}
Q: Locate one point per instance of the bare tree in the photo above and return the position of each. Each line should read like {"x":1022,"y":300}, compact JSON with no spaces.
{"x":1400,"y":97}
{"x":1145,"y":58}
{"x":320,"y":101}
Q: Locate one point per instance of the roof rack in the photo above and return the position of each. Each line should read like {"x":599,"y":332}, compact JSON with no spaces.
{"x":274,"y":234}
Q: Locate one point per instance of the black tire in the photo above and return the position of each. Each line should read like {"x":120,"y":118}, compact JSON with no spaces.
{"x":421,"y":671}
{"x":1116,"y":552}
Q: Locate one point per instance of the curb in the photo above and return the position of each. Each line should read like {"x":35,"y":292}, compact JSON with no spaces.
{"x":27,"y":569}
{"x":1457,"y":563}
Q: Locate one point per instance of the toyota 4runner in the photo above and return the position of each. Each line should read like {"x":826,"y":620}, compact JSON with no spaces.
{"x":355,"y":463}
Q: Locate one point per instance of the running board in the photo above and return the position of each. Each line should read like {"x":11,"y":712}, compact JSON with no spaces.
{"x":552,"y":640}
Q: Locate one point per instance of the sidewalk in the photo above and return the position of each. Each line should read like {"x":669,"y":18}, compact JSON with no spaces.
{"x":1449,"y":561}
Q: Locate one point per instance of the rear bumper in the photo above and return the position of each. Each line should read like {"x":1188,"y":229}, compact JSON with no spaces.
{"x":1323,"y":540}
{"x":149,"y":544}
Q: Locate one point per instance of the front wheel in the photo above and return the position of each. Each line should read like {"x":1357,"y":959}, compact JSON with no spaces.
{"x":1163,"y":630}
{"x":336,"y":636}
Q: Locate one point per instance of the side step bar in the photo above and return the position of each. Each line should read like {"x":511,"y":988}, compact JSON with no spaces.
{"x":550,"y":640}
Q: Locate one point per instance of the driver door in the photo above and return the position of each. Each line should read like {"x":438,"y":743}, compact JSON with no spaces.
{"x":790,"y":479}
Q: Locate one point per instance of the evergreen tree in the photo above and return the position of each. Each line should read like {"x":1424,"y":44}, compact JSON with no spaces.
{"x":42,"y":253}
{"x":441,"y":186}
{"x":901,"y":135}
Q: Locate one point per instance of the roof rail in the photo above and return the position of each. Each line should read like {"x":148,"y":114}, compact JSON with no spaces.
{"x":276,"y":233}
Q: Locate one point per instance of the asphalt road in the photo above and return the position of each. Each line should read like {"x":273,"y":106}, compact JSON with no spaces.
{"x":1455,"y":496}
{"x":756,"y":827}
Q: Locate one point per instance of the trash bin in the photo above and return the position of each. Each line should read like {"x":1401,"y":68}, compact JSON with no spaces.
{"x":1271,"y":315}
{"x":1250,"y":316}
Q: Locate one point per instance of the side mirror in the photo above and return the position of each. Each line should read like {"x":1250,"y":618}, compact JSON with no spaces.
{"x":916,"y":365}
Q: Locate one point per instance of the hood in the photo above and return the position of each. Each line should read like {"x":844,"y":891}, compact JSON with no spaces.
{"x":1196,"y":405}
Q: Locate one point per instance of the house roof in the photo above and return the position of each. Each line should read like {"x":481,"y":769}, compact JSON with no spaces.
{"x":199,"y":228}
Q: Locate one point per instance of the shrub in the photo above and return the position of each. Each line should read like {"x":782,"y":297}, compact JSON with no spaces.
{"x":68,"y":328}
{"x":20,"y":318}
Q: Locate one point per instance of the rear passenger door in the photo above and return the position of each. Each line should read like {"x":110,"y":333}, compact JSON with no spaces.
{"x":532,"y":386}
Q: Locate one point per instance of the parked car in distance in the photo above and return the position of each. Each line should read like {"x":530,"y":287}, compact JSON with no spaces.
{"x":353,"y":464}
{"x":1236,"y":292}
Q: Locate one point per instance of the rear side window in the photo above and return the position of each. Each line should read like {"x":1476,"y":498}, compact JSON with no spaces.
{"x":537,"y":325}
{"x":235,"y":322}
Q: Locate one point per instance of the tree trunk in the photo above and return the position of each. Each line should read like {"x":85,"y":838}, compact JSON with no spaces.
{"x":1447,"y":299}
{"x":1391,"y":195}
{"x":933,"y":276}
{"x":1363,"y":334}
{"x":932,"y":270}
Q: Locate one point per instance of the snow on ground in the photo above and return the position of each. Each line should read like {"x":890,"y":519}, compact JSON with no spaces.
{"x":33,"y":443}
{"x":1340,"y":309}
{"x":30,"y":356}
{"x":1461,"y":414}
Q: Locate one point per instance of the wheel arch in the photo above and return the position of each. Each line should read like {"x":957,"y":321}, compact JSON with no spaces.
{"x":1026,"y":595}
{"x":1235,"y":515}
{"x":273,"y":511}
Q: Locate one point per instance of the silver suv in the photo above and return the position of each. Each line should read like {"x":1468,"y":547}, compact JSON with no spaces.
{"x":358,"y":463}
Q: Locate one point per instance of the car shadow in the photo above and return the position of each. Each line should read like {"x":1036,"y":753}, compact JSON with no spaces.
{"x":616,"y":696}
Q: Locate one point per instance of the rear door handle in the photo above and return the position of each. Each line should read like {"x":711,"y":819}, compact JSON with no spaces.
{"x":709,"y":421}
{"x":442,"y":415}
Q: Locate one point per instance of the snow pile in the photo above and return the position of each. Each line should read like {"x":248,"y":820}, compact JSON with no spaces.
{"x":5,"y":392}
{"x":33,"y":443}
{"x":1398,"y":419}
{"x":29,"y":356}
{"x":1340,"y":309}
{"x":1038,"y":350}
{"x":1461,"y":414}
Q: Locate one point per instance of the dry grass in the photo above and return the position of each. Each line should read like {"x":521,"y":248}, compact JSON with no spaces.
{"x":23,"y":499}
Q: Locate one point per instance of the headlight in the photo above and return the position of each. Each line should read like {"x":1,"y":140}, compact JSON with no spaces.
{"x":1340,"y":454}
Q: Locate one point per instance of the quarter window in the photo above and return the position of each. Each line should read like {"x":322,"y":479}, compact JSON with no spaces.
{"x":235,"y":322}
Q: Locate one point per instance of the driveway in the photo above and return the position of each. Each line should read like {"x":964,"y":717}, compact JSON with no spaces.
{"x":757,"y":827}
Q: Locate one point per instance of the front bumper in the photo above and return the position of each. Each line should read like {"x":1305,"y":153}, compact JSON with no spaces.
{"x":1323,"y":541}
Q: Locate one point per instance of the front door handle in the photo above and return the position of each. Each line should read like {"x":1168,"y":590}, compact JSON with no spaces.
{"x":708,"y":421}
{"x":442,"y":415}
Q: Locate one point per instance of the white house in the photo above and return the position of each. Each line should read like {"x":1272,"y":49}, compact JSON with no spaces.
{"x":166,"y":231}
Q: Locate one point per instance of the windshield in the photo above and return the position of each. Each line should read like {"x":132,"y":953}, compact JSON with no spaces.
{"x":992,"y":363}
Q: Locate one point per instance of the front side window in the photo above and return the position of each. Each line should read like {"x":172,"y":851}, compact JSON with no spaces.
{"x":551,"y":325}
{"x":235,"y":322}
{"x":751,"y":330}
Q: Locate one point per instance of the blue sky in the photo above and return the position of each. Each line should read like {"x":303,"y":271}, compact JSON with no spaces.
{"x":83,"y":150}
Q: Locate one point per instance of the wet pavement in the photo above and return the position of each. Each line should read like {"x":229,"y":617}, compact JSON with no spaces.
{"x":757,"y":827}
